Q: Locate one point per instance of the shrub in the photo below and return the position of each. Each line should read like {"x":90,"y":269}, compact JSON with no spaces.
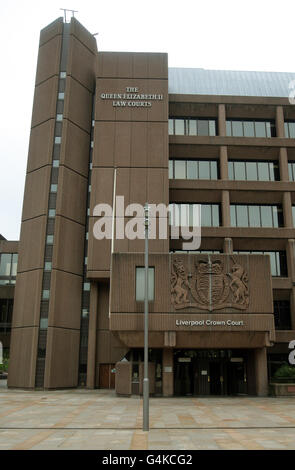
{"x":285,"y":371}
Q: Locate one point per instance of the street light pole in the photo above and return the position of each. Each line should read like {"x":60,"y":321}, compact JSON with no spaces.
{"x":146,"y":323}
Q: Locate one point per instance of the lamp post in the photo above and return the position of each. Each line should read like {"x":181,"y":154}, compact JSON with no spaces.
{"x":146,"y":323}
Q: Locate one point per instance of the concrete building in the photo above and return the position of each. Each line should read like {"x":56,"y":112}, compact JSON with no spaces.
{"x":108,"y":124}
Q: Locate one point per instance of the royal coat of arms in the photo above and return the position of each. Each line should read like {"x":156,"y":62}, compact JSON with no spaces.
{"x":209,"y":287}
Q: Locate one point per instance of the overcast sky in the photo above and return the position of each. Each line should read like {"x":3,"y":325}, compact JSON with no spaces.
{"x":212,"y":34}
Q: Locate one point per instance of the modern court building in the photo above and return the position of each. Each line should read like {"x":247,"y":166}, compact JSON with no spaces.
{"x":108,"y":124}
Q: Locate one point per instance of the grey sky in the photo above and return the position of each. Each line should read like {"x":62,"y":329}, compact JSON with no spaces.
{"x":234,"y":35}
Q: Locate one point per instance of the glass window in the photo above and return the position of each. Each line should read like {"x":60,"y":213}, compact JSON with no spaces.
{"x":179,"y":126}
{"x":206,"y":219}
{"x":254,"y":216}
{"x":45,"y":294}
{"x":231,"y":170}
{"x":171,"y":126}
{"x":63,"y":74}
{"x":55,"y":163}
{"x":140,"y":284}
{"x":249,"y":129}
{"x":212,"y":127}
{"x":237,"y":128}
{"x":291,"y":169}
{"x":251,"y":169}
{"x":5,"y":264}
{"x":53,"y":188}
{"x":61,"y":96}
{"x":240,"y":171}
{"x":204,"y":170}
{"x":49,"y":239}
{"x":286,"y":129}
{"x":57,"y":140}
{"x":51,"y":213}
{"x":260,"y":129}
{"x":215,"y":215}
{"x":203,"y":127}
{"x":59,"y":117}
{"x":266,"y":216}
{"x":263,"y":171}
{"x":86,"y":286}
{"x":242,"y":216}
{"x":47,"y":266}
{"x":292,"y":130}
{"x":14,"y":264}
{"x":228,"y":128}
{"x":171,"y":169}
{"x":192,"y":169}
{"x":233,"y":216}
{"x":179,"y":169}
{"x":43,"y":323}
{"x":213,"y":169}
{"x":192,"y":127}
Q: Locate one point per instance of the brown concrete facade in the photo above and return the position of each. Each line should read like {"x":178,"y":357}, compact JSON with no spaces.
{"x":100,"y":129}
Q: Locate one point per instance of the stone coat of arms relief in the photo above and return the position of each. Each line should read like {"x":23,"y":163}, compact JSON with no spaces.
{"x":209,"y":287}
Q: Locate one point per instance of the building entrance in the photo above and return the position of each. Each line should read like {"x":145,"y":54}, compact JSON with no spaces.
{"x":210,"y":372}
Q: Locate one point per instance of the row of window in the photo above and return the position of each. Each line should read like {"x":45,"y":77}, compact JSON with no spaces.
{"x":234,"y":127}
{"x":237,"y":170}
{"x":242,"y":215}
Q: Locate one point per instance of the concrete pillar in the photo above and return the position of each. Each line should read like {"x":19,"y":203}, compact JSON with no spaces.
{"x":221,"y":120}
{"x":91,"y":361}
{"x":228,"y":245}
{"x":225,"y":209}
{"x":287,"y":210}
{"x":260,"y":360}
{"x":223,"y":163}
{"x":290,"y":252}
{"x":168,"y":373}
{"x":283,"y":164}
{"x":280,"y":122}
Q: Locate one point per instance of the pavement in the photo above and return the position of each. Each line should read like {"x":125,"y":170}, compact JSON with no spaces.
{"x":98,"y":419}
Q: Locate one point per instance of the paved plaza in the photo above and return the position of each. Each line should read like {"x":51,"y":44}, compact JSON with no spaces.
{"x":98,"y":419}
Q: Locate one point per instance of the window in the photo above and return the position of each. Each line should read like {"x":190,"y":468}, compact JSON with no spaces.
{"x":59,"y":117}
{"x":45,"y":294}
{"x":253,"y":170}
{"x":192,"y":126}
{"x":193,"y":169}
{"x":293,"y":214}
{"x":47,"y":266}
{"x":49,"y":239}
{"x":53,"y":188}
{"x":140,"y":284}
{"x":290,"y":129}
{"x":256,"y":216}
{"x":61,"y":96}
{"x":282,"y":314}
{"x":63,"y":74}
{"x":278,"y":261}
{"x":8,"y":268}
{"x":250,"y":128}
{"x":51,"y":213}
{"x":55,"y":163}
{"x":57,"y":140}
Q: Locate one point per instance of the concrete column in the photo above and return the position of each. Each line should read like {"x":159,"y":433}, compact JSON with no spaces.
{"x":221,"y":120}
{"x":225,"y":209}
{"x":168,"y":373}
{"x":228,"y":245}
{"x":287,"y":210}
{"x":261,"y":379}
{"x":223,"y":163}
{"x":280,"y":122}
{"x":283,"y":164}
{"x":290,"y":251}
{"x":91,"y":360}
